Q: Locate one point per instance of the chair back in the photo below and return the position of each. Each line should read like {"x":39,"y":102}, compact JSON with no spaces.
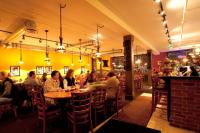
{"x":29,"y":88}
{"x":99,"y":98}
{"x":40,"y":102}
{"x":155,"y":82}
{"x":81,"y":107}
{"x":119,"y":97}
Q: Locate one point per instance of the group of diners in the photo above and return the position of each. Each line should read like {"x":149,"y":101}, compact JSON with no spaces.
{"x":57,"y":82}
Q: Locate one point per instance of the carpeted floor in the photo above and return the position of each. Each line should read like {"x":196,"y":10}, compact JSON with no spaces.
{"x":137,"y":111}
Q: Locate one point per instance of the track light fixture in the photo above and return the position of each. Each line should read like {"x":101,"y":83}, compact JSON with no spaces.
{"x":164,"y":20}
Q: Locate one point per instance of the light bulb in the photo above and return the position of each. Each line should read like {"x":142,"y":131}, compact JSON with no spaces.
{"x":138,"y":61}
{"x":21,"y":62}
{"x":88,"y":64}
{"x":98,"y":54}
{"x":48,"y":62}
{"x":185,"y":60}
{"x":72,"y":64}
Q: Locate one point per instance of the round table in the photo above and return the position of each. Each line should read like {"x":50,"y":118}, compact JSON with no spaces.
{"x":58,"y":95}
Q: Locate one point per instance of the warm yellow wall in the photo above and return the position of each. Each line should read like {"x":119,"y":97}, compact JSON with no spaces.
{"x":104,"y":68}
{"x":31,"y":59}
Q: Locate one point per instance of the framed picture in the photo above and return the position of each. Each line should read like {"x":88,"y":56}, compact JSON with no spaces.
{"x":15,"y":70}
{"x":82,"y":69}
{"x":66,"y":68}
{"x":39,"y":70}
{"x":48,"y":69}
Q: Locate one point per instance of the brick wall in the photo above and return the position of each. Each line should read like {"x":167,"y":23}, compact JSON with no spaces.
{"x":185,"y":103}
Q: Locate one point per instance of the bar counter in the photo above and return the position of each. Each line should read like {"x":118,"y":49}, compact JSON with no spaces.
{"x":184,"y":101}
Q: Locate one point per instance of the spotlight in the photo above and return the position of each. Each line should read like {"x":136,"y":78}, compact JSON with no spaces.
{"x":157,"y":1}
{"x":40,"y":40}
{"x":162,"y":13}
{"x":164,"y":22}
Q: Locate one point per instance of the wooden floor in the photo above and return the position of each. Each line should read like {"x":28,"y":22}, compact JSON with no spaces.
{"x":159,"y":121}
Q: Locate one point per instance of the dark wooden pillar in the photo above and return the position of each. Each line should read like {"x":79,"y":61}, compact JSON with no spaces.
{"x":129,"y":65}
{"x":149,"y":65}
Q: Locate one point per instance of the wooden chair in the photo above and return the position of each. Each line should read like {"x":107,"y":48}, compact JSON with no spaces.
{"x":81,"y":110}
{"x":98,"y":102}
{"x":117,"y":101}
{"x":45,"y":112}
{"x":159,"y":94}
{"x":29,"y":88}
{"x":7,"y":105}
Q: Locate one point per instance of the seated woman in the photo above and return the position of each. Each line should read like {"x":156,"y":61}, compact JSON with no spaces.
{"x":69,"y":79}
{"x":52,"y":84}
{"x":91,"y":78}
{"x":112,"y":84}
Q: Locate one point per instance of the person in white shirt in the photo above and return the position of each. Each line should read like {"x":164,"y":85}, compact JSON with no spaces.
{"x":112,"y":84}
{"x":52,"y":84}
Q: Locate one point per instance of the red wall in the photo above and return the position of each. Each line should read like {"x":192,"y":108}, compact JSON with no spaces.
{"x":156,"y":58}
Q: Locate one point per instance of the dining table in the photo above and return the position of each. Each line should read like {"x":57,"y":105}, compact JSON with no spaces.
{"x":66,"y":93}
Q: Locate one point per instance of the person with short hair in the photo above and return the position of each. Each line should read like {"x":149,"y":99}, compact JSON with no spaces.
{"x":52,"y":84}
{"x":193,"y":72}
{"x":44,"y":77}
{"x":112,"y":84}
{"x":31,"y":80}
{"x":7,"y":86}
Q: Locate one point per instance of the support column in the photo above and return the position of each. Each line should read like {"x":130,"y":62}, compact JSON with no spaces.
{"x":149,"y":65}
{"x":129,"y":65}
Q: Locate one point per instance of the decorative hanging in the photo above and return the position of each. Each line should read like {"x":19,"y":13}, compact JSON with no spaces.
{"x":61,"y":48}
{"x":47,"y":59}
{"x":72,"y":64}
{"x":80,"y":56}
{"x":20,"y":58}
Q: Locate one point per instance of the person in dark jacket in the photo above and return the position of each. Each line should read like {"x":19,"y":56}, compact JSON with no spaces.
{"x":7,"y":87}
{"x":193,"y":71}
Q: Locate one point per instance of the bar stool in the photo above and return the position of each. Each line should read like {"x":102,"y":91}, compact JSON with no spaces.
{"x":159,"y":95}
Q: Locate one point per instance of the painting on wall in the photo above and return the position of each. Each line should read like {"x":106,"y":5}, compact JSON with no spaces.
{"x":15,"y":70}
{"x":39,"y":70}
{"x":48,"y":69}
{"x":66,"y":68}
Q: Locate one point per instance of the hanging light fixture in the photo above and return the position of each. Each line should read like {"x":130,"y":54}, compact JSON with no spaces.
{"x":98,"y":54}
{"x":88,"y":60}
{"x":72,"y":64}
{"x":80,"y":56}
{"x":20,"y":58}
{"x":47,"y":59}
{"x":61,"y":48}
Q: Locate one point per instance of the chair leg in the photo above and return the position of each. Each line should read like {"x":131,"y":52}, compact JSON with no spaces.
{"x":91,"y":126}
{"x":15,"y":112}
{"x":95,"y":117}
{"x":44,"y":126}
{"x":74,"y":128}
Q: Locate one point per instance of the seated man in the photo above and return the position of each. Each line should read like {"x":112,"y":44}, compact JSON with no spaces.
{"x":31,"y":80}
{"x":7,"y":86}
{"x":112,"y":84}
{"x":52,"y":84}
